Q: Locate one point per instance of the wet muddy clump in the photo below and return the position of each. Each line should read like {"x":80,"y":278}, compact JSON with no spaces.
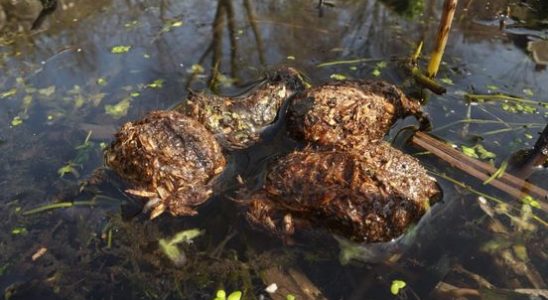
{"x":367,"y":198}
{"x":169,"y":158}
{"x":348,"y":114}
{"x":238,"y":122}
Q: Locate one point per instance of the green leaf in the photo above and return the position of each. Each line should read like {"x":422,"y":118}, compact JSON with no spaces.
{"x":498,"y":173}
{"x":236,"y":295}
{"x":8,"y":93}
{"x":381,"y":64}
{"x":16,"y":121}
{"x":156,"y":84}
{"x":492,"y":87}
{"x":186,"y":236}
{"x":68,"y":169}
{"x":290,"y":297}
{"x":337,"y":77}
{"x":528,"y":92}
{"x":120,"y":49}
{"x":170,"y":24}
{"x":118,"y":110}
{"x":469,"y":151}
{"x":196,"y":69}
{"x":47,"y":92}
{"x":101,"y":81}
{"x":376,"y":72}
{"x":483,"y":153}
{"x":530,"y":201}
{"x":170,"y":250}
{"x":19,"y":230}
{"x":220,"y":295}
{"x":396,"y":286}
{"x":447,"y":81}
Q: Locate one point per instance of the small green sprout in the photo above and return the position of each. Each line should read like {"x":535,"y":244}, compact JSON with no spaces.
{"x":156,"y":84}
{"x":16,"y":121}
{"x":337,"y":77}
{"x":19,"y":231}
{"x":120,"y":49}
{"x":396,"y":286}
{"x":221,"y":295}
{"x":8,"y":93}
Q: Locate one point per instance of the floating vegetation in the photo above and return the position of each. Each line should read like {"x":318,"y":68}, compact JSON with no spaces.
{"x":347,"y":62}
{"x":170,"y":246}
{"x":478,"y":151}
{"x":338,"y":76}
{"x":16,"y":121}
{"x":170,"y":24}
{"x":397,"y":286}
{"x":506,"y":98}
{"x":119,"y":109}
{"x":221,"y":295}
{"x":8,"y":93}
{"x":120,"y":49}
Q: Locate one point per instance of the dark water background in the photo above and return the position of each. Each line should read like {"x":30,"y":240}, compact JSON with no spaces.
{"x":61,"y":82}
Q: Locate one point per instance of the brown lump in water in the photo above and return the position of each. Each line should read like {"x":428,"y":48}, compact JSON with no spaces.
{"x":238,"y":122}
{"x":169,"y":158}
{"x":348,"y":114}
{"x":369,"y":196}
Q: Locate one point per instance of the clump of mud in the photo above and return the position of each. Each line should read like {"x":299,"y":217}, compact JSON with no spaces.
{"x":372,"y":196}
{"x":348,"y":114}
{"x":169,"y":158}
{"x":238,"y":122}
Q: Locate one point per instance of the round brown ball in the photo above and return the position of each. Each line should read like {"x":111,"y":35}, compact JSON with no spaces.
{"x":169,"y":158}
{"x":348,"y":114}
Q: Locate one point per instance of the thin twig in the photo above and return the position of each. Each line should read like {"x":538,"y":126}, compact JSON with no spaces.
{"x":508,"y":183}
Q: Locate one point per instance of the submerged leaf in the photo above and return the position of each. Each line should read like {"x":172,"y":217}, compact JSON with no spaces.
{"x":186,"y":236}
{"x":172,"y":252}
{"x":156,"y":84}
{"x":47,"y":92}
{"x":337,"y":77}
{"x":8,"y":93}
{"x":19,"y":230}
{"x":118,"y":110}
{"x":447,"y":81}
{"x":16,"y":121}
{"x":196,"y":69}
{"x":469,"y":151}
{"x":484,"y":153}
{"x":101,"y":81}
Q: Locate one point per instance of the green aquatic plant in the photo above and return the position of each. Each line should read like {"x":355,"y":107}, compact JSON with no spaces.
{"x":171,"y":250}
{"x":397,"y":286}
{"x":120,"y":49}
{"x":221,"y":295}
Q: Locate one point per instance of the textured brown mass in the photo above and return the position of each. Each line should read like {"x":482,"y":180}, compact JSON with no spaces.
{"x":348,"y":114}
{"x":368,"y":196}
{"x":169,"y":158}
{"x":237,"y":122}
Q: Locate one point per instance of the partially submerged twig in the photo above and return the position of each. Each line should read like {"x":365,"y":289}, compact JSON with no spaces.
{"x":508,"y":183}
{"x":426,"y":81}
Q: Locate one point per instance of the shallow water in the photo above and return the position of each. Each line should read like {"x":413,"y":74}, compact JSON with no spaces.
{"x":63,"y":81}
